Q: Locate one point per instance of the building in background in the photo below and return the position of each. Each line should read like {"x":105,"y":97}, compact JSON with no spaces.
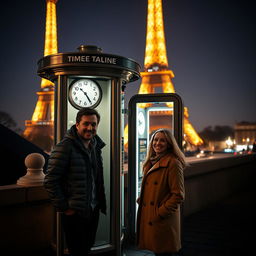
{"x":245,"y":135}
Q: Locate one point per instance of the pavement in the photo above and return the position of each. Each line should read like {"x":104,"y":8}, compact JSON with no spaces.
{"x":224,"y":229}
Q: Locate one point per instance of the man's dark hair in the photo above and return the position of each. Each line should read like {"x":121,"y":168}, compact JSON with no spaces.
{"x":87,"y":112}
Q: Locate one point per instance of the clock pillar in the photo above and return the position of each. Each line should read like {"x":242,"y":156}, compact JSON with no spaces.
{"x":91,"y":78}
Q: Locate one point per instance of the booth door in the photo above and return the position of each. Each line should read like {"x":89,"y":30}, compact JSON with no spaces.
{"x":147,"y":113}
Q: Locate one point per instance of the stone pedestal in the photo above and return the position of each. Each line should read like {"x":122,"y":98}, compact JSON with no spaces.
{"x":34,"y":176}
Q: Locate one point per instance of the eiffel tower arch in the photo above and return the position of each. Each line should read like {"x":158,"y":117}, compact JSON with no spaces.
{"x":39,"y":130}
{"x":156,"y":71}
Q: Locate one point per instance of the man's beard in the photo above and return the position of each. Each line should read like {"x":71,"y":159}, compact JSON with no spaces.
{"x":92,"y":133}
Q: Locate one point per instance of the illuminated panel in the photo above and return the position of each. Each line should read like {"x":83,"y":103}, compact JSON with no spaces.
{"x":155,"y":54}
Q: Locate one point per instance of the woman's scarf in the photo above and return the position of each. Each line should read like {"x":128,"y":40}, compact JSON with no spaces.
{"x":155,"y":158}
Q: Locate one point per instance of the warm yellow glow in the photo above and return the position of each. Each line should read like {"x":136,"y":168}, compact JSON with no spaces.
{"x":145,"y":89}
{"x":51,"y":43}
{"x":186,"y":112}
{"x":191,"y":134}
{"x":39,"y":130}
{"x":155,"y":53}
{"x":44,"y":109}
{"x":156,"y":72}
{"x":151,"y":80}
{"x":126,"y":137}
{"x":160,"y":72}
{"x":168,"y":86}
{"x":229,"y":142}
{"x":46,"y":83}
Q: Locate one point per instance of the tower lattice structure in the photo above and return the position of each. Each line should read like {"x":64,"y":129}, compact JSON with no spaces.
{"x":156,"y":71}
{"x":39,"y":130}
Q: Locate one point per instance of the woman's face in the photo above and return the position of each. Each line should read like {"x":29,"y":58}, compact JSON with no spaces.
{"x":159,"y":143}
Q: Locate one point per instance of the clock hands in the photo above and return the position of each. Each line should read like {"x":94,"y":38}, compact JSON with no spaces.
{"x":86,"y":95}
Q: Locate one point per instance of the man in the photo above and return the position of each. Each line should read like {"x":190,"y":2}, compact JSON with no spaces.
{"x":74,"y":181}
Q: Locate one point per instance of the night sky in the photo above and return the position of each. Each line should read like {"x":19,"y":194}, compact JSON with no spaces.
{"x":210,"y":48}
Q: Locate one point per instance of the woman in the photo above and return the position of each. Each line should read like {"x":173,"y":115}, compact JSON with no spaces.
{"x":162,"y":192}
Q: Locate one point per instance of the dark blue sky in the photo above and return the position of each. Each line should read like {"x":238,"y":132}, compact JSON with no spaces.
{"x":210,"y":48}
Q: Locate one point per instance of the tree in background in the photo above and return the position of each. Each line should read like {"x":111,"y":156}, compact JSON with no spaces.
{"x":8,"y":121}
{"x":218,"y":133}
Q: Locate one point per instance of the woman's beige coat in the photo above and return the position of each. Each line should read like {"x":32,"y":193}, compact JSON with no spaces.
{"x":158,"y":219}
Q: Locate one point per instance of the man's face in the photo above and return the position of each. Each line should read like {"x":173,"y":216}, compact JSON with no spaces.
{"x":87,"y":127}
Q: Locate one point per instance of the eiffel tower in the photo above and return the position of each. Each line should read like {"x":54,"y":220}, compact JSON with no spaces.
{"x":39,"y":130}
{"x":156,"y":71}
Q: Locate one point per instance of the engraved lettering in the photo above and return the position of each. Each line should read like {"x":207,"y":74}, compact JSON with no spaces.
{"x":94,"y":59}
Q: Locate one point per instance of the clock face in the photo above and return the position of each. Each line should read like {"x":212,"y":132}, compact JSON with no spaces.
{"x":85,"y":93}
{"x":141,"y":123}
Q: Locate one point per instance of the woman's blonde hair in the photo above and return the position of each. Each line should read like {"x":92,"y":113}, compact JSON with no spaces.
{"x":172,"y":147}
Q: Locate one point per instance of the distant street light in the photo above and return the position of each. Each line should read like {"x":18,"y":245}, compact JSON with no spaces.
{"x":229,"y":142}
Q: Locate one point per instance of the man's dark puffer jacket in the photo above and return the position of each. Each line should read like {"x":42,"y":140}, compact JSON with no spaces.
{"x":68,"y":179}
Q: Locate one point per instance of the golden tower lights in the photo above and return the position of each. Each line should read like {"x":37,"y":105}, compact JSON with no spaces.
{"x":156,"y":71}
{"x":39,"y":130}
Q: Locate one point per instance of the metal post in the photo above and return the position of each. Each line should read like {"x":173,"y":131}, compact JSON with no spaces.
{"x":59,"y":235}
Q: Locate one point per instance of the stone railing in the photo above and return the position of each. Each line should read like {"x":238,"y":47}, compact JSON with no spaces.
{"x":212,"y":180}
{"x":26,"y":215}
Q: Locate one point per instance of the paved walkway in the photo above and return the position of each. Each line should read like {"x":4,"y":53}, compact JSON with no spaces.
{"x":226,"y":229}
